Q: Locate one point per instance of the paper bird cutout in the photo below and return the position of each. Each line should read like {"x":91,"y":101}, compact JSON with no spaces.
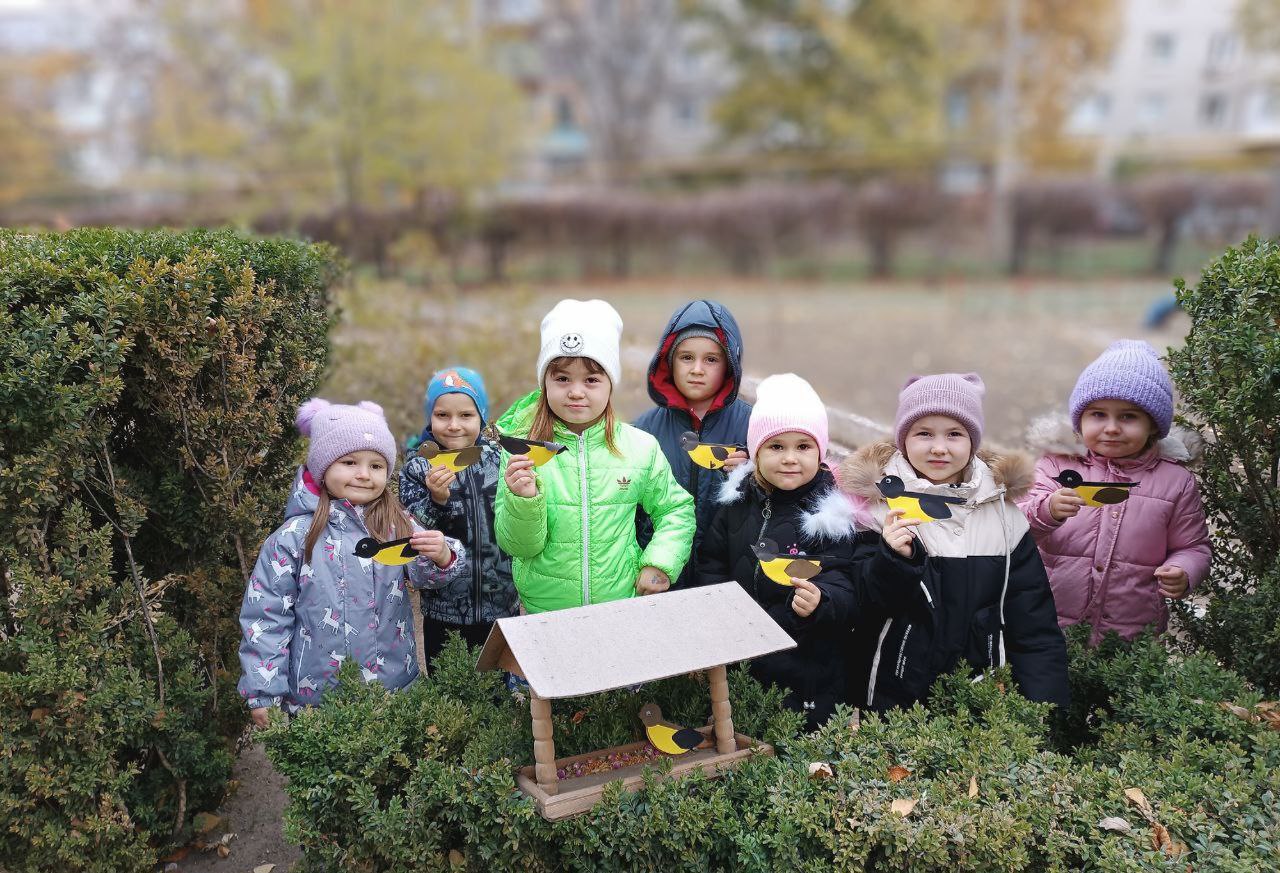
{"x":709,"y":455}
{"x":915,"y":504}
{"x":392,"y":553}
{"x":456,"y":460}
{"x":665,"y":736}
{"x":1095,"y":493}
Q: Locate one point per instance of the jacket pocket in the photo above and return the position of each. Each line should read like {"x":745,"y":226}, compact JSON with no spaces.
{"x":900,"y":670}
{"x":985,"y":638}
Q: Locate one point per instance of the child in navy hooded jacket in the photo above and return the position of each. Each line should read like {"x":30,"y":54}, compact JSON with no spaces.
{"x":694,"y":379}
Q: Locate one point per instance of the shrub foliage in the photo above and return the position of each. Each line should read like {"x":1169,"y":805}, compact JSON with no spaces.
{"x":148,"y":382}
{"x":424,"y":779}
{"x":1228,"y":374}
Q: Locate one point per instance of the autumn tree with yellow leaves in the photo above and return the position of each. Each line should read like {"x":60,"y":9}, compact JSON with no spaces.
{"x":307,"y":104}
{"x":900,"y":83}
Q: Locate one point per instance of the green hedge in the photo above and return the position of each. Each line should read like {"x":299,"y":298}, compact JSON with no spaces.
{"x":424,"y":779}
{"x":1228,"y":374}
{"x":148,"y":382}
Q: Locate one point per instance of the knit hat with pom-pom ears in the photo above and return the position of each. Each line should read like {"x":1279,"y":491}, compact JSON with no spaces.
{"x":336,"y":430}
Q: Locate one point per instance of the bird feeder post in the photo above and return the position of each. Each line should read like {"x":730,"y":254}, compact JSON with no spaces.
{"x":721,"y":712}
{"x":544,"y":748}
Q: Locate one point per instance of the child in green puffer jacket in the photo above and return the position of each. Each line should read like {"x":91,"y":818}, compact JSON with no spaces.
{"x":569,"y":523}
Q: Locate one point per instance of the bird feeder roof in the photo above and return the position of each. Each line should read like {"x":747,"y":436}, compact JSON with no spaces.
{"x":589,"y":649}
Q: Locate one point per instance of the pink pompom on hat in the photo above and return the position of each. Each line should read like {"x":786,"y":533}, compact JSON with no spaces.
{"x":785,"y":403}
{"x":336,"y":429}
{"x":957,"y":395}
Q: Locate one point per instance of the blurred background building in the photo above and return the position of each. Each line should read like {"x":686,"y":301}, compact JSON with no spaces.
{"x":1181,"y":82}
{"x":616,"y":136}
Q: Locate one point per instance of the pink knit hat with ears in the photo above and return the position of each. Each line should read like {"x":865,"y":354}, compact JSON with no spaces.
{"x":336,"y":430}
{"x":958,"y":395}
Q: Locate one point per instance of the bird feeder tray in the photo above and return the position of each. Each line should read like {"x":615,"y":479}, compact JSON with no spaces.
{"x":597,"y":648}
{"x":578,"y":794}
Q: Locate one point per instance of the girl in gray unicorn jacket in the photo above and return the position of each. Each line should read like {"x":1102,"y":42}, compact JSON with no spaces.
{"x":311,"y":603}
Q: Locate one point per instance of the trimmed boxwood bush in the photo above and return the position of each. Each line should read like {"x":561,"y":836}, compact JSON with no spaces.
{"x":424,"y":779}
{"x":148,"y":382}
{"x":1228,"y":374}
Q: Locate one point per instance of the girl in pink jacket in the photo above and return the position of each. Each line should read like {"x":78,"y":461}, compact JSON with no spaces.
{"x":1114,"y":554}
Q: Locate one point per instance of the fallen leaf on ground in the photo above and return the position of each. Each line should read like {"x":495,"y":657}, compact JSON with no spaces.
{"x":1115,"y":823}
{"x":1238,"y":711}
{"x":903,"y":806}
{"x":1138,"y":799}
{"x":264,"y":868}
{"x":579,"y":716}
{"x":456,"y":858}
{"x":973,"y":786}
{"x":205,"y":822}
{"x":820,"y":770}
{"x":897,"y":773}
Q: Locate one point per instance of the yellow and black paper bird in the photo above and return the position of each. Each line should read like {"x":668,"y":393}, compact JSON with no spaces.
{"x":537,"y":451}
{"x":782,"y":566}
{"x":391,"y":553}
{"x":456,"y":460}
{"x":666,"y":737}
{"x":1095,"y":493}
{"x":709,"y":455}
{"x":914,"y":504}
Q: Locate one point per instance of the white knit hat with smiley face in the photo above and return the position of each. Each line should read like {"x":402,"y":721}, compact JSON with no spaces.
{"x":582,"y":329}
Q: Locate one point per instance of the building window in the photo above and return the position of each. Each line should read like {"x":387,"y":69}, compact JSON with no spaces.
{"x":957,"y":109}
{"x":1090,"y":114}
{"x":1151,"y":108}
{"x":1223,"y":46}
{"x":686,"y":111}
{"x":1213,"y":110}
{"x":1267,"y":101}
{"x":1161,"y":46}
{"x":565,"y":119}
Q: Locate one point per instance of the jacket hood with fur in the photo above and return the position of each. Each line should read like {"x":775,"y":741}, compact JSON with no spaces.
{"x":1053,"y":434}
{"x":861,"y":471}
{"x":828,"y":514}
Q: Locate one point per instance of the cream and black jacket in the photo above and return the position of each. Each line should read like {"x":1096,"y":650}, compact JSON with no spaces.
{"x":981,"y":593}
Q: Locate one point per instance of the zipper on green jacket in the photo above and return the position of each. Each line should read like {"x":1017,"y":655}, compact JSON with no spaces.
{"x":586,"y":521}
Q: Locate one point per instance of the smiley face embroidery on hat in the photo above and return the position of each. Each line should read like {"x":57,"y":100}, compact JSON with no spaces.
{"x":571,"y":343}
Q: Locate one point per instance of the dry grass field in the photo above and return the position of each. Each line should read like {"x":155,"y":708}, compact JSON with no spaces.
{"x":855,"y":342}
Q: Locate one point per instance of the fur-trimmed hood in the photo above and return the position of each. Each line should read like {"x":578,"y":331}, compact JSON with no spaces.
{"x":827,"y":514}
{"x":1013,"y":471}
{"x":1053,"y":434}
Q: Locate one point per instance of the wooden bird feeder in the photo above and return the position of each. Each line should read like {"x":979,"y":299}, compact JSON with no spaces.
{"x":591,"y":649}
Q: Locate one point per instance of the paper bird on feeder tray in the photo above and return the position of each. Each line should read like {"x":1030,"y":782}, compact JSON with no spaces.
{"x":392,"y":553}
{"x":456,"y":460}
{"x":709,"y":455}
{"x":535,"y":450}
{"x":1095,"y":493}
{"x":781,"y":567}
{"x":915,"y":504}
{"x":666,"y":737}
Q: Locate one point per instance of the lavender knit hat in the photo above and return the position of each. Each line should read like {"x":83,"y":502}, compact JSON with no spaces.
{"x":958,"y":395}
{"x":1128,"y":370}
{"x":336,"y":430}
